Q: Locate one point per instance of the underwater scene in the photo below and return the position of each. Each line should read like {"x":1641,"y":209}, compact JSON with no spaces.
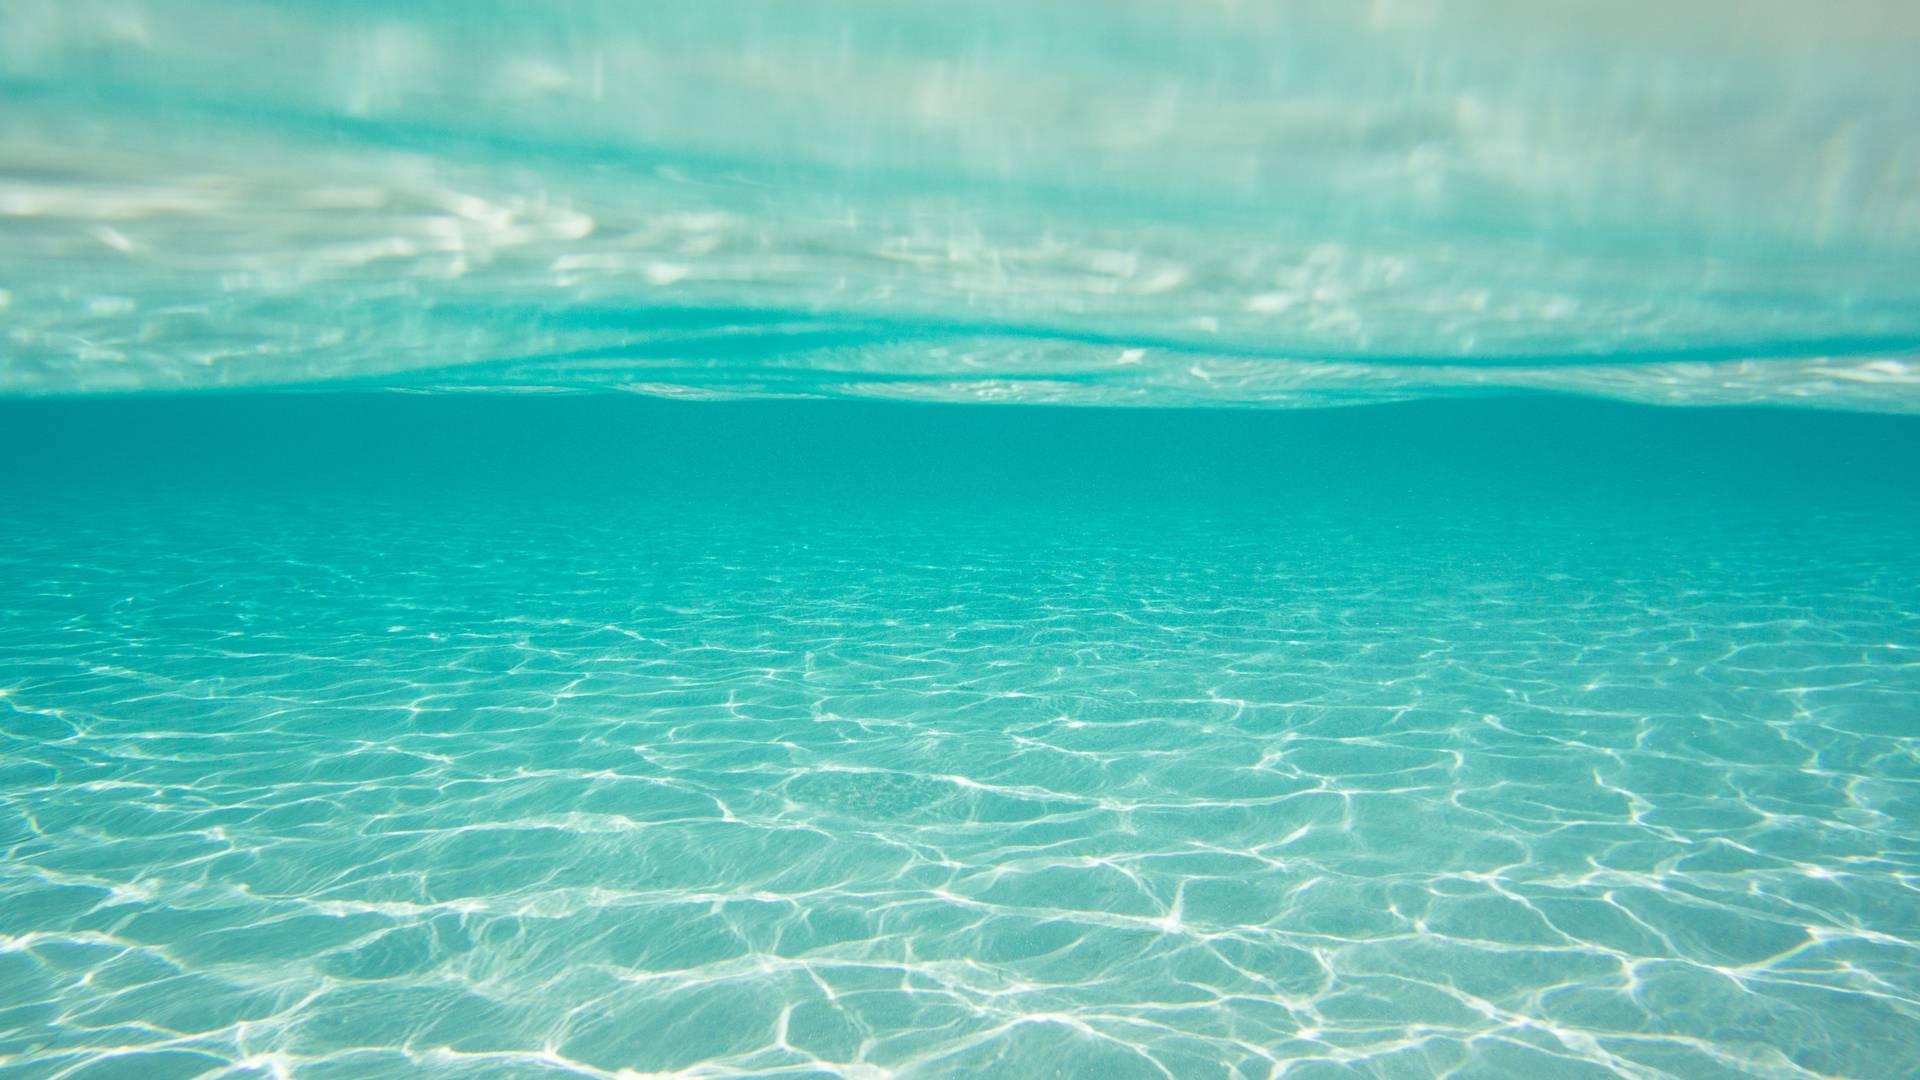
{"x":837,"y":538}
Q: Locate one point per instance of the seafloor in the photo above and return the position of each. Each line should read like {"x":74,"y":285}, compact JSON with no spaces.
{"x":349,"y":736}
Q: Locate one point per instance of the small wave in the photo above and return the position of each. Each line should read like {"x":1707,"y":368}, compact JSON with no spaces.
{"x":1110,"y":204}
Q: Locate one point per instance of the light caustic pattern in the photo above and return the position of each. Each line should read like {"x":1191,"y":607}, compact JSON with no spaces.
{"x":1092,"y":202}
{"x":344,"y":790}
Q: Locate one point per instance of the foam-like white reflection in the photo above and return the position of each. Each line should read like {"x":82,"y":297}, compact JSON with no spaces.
{"x":1123,"y":200}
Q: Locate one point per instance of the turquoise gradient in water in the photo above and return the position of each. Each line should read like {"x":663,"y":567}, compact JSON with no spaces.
{"x":519,"y":556}
{"x":455,"y":736}
{"x":1083,"y":201}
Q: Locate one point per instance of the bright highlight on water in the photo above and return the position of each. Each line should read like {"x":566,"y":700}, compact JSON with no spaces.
{"x":1093,"y":203}
{"x":518,"y":557}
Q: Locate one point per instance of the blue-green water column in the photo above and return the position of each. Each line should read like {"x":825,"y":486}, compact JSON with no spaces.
{"x":346,"y":736}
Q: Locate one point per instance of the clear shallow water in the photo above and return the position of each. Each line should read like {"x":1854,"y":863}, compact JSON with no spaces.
{"x":380,"y":735}
{"x":472,"y":711}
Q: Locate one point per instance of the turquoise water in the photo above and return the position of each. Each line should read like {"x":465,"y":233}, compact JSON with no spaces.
{"x":1084,"y":201}
{"x":810,"y":539}
{"x":357,"y":735}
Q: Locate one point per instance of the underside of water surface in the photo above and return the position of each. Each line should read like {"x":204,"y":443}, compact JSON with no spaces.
{"x":1114,"y":202}
{"x":397,"y":680}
